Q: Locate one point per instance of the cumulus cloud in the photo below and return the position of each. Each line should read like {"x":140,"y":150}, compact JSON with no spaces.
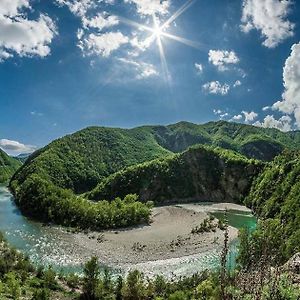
{"x":217,"y":111}
{"x":222,"y":58}
{"x":237,"y":83}
{"x":249,"y":116}
{"x":215,"y":87}
{"x":15,"y":146}
{"x":221,"y":114}
{"x":143,"y":70}
{"x":103,"y":44}
{"x":269,"y":17}
{"x":199,"y":68}
{"x":265,"y":108}
{"x":151,"y":7}
{"x":101,"y":21}
{"x":290,"y":103}
{"x":22,"y":36}
{"x":78,"y":7}
{"x":237,"y":118}
{"x":283,"y":123}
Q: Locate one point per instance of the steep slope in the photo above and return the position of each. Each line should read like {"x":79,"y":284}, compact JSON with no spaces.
{"x":79,"y":161}
{"x":8,"y":167}
{"x":275,"y":196}
{"x":200,"y":173}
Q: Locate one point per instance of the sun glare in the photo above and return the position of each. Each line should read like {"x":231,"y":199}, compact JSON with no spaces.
{"x":159,"y":31}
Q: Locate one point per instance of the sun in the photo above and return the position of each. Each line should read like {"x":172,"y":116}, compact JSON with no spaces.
{"x":159,"y":31}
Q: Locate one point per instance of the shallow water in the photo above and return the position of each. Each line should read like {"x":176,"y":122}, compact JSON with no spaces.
{"x":53,"y":245}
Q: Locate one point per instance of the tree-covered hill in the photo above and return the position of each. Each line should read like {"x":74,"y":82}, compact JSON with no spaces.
{"x":201,"y":172}
{"x":8,"y":167}
{"x":275,"y":196}
{"x":80,"y":161}
{"x":251,"y":141}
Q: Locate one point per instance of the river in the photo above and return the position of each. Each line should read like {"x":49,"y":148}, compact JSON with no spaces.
{"x":51,"y":245}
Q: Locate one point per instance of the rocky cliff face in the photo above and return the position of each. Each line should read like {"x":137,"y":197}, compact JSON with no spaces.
{"x":200,"y":173}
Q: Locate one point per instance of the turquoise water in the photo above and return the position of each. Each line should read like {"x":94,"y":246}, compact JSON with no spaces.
{"x":239,"y":220}
{"x":47,"y":245}
{"x":43,"y":244}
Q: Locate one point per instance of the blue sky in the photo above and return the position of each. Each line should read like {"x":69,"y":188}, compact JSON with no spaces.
{"x":69,"y":64}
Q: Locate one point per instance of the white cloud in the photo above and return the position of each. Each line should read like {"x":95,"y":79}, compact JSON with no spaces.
{"x":199,"y":68}
{"x":217,"y":111}
{"x":20,"y":35}
{"x":237,"y":118}
{"x":78,"y":7}
{"x":265,"y":108}
{"x":215,"y":87}
{"x":284,"y":123}
{"x":10,"y":8}
{"x":151,"y":7}
{"x":101,"y":21}
{"x":103,"y":44}
{"x":222,"y":58}
{"x":237,"y":83}
{"x":269,"y":17}
{"x":290,"y":103}
{"x":224,"y":115}
{"x":15,"y":147}
{"x":249,"y":116}
{"x":37,"y":113}
{"x":143,"y":70}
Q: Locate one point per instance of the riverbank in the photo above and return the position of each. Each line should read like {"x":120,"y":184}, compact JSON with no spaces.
{"x":168,"y":237}
{"x":165,"y":247}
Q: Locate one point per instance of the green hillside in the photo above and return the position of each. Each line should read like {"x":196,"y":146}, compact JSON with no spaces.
{"x":253,"y":142}
{"x":77,"y":163}
{"x":8,"y":167}
{"x":200,"y":173}
{"x":275,"y":196}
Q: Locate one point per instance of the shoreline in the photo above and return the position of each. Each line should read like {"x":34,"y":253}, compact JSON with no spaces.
{"x":167,"y":237}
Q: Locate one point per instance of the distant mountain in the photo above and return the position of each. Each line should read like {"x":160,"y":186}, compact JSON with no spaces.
{"x":81,"y":161}
{"x":8,"y":167}
{"x":22,"y":157}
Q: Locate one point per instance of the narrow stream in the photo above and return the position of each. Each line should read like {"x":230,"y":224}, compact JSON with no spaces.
{"x":53,"y":245}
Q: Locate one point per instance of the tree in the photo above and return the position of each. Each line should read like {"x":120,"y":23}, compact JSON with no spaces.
{"x":91,"y":278}
{"x":134,"y":288}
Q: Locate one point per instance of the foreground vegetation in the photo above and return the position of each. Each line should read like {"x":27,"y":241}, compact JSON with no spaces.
{"x":19,"y":279}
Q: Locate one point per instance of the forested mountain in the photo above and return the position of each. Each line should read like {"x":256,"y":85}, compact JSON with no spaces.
{"x":201,"y":172}
{"x":80,"y":161}
{"x":8,"y":167}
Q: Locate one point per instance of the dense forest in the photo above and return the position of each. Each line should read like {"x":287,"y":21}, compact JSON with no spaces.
{"x":200,"y":173}
{"x":8,"y":166}
{"x":146,"y":161}
{"x":275,"y":197}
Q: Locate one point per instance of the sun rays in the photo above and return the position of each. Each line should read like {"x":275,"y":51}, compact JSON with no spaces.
{"x":159,"y":31}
